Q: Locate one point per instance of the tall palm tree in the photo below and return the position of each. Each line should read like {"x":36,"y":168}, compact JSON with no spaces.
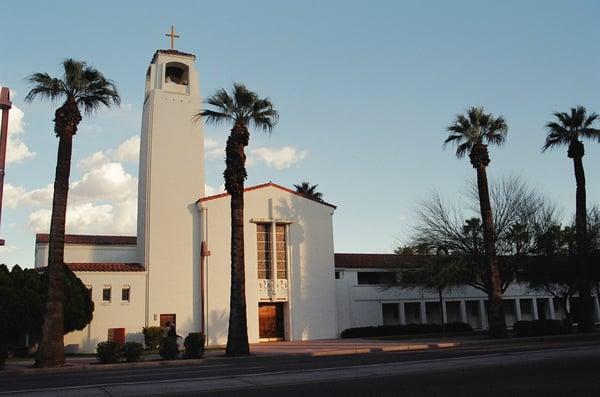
{"x":81,"y":87}
{"x":568,"y":130}
{"x":242,"y":108}
{"x":472,"y":133}
{"x":309,"y":191}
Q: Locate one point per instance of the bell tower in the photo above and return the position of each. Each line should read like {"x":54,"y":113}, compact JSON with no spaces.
{"x":171,"y":179}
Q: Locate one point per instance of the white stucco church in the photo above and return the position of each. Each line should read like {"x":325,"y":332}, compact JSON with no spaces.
{"x":178,"y":266}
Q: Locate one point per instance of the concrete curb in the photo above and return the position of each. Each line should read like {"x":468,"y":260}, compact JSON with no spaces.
{"x":92,"y":366}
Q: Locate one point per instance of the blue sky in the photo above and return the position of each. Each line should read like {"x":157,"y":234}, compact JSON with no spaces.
{"x":365,"y":91}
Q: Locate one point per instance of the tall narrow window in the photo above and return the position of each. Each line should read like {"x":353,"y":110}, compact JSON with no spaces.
{"x":281,"y":251}
{"x":263,"y":241}
{"x":106,"y":293}
{"x":125,"y":293}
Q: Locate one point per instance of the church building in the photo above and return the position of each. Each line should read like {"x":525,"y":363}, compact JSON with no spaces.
{"x":177,"y":268}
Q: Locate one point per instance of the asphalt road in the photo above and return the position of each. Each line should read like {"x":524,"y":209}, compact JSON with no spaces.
{"x":531,"y":369}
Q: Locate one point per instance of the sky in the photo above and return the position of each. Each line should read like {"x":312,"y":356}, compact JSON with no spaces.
{"x":365,"y":91}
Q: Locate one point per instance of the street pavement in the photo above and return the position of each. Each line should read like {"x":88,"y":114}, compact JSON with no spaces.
{"x":525,"y":367}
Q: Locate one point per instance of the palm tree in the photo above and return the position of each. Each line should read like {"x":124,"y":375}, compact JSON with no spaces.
{"x":309,"y":191}
{"x":81,"y":86}
{"x":242,"y":108}
{"x":569,"y":130}
{"x":472,"y":133}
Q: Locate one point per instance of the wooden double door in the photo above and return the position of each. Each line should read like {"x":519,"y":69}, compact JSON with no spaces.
{"x":270,"y":320}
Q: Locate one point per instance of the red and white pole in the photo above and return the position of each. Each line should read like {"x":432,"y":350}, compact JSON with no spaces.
{"x":5,"y":106}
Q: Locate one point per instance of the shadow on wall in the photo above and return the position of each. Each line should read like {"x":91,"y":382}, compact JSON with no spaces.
{"x":217,"y":327}
{"x":134,"y":337}
{"x":289,"y":210}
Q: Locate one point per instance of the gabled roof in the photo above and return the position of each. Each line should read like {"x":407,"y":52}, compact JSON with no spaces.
{"x":88,"y":239}
{"x":262,"y":186}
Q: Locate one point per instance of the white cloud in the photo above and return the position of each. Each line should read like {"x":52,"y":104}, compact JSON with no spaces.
{"x":16,"y":150}
{"x":109,"y":181}
{"x":94,"y":160}
{"x":280,"y":159}
{"x":213,"y":149}
{"x":17,"y":196}
{"x":210,"y":190}
{"x":128,"y":150}
{"x":91,"y":218}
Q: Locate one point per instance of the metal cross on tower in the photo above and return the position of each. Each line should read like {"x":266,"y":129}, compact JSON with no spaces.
{"x":172,"y":35}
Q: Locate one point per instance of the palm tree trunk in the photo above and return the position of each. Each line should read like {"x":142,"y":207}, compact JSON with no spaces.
{"x":51,"y":350}
{"x":586,"y":319}
{"x":235,"y":174}
{"x":497,"y":322}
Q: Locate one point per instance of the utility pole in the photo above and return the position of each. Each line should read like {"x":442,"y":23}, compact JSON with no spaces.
{"x":5,"y":106}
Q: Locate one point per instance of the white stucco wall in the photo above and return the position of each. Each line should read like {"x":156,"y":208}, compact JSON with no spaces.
{"x":89,"y":254}
{"x":361,"y":305}
{"x":116,"y":314}
{"x":312,"y":305}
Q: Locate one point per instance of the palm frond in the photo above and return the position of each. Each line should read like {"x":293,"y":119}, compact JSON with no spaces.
{"x":571,"y":126}
{"x":84,"y":84}
{"x":241,"y":106}
{"x":473,"y":127}
{"x":44,"y":86}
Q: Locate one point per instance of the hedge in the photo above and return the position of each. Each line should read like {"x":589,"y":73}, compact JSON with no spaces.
{"x":194,"y":345}
{"x":153,"y":336}
{"x":541,"y":328}
{"x":169,"y":350}
{"x":132,"y":351}
{"x":408,"y":329}
{"x":109,"y":352}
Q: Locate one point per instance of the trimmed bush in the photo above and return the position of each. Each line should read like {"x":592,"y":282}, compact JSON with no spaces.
{"x":168,"y":349}
{"x":108,"y":352}
{"x":408,"y":329}
{"x":132,"y":351}
{"x":194,"y":345}
{"x":153,"y":336}
{"x":541,"y":328}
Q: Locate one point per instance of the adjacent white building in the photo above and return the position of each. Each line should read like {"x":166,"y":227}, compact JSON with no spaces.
{"x":177,"y":268}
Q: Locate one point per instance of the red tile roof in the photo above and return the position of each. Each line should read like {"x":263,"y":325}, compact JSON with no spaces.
{"x":376,"y":261}
{"x":262,"y":186}
{"x":89,"y":239}
{"x":106,"y":267}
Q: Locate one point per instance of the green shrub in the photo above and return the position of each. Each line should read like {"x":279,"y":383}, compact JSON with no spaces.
{"x":153,"y":336}
{"x":168,"y":349}
{"x":408,"y":329}
{"x":132,"y":351}
{"x":541,"y":328}
{"x":194,"y":345}
{"x":108,"y":352}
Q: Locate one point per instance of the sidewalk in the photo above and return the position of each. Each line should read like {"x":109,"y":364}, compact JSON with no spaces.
{"x":316,"y":348}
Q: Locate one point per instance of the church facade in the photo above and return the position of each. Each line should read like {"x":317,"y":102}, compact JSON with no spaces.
{"x":177,"y":268}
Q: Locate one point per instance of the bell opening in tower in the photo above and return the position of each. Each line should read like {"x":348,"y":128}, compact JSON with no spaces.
{"x":176,"y":73}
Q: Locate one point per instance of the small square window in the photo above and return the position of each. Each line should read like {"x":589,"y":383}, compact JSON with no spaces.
{"x":106,"y":294}
{"x":125,"y":294}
